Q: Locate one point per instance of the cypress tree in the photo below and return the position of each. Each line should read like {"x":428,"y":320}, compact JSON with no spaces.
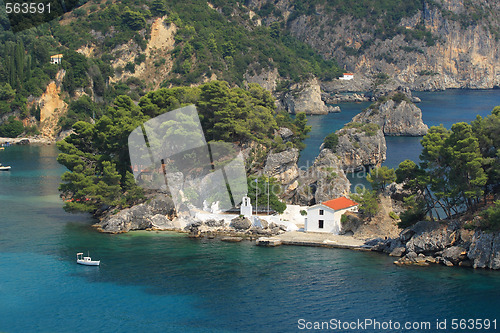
{"x":19,"y":61}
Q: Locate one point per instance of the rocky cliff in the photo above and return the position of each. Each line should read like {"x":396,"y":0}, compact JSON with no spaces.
{"x":360,"y":147}
{"x":52,"y":107}
{"x":324,"y":180}
{"x":395,"y":118}
{"x":157,"y":213}
{"x":305,"y":97}
{"x":283,"y":167}
{"x":442,"y":44}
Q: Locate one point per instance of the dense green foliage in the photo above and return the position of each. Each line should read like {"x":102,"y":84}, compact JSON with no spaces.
{"x":98,"y":162}
{"x":11,"y":128}
{"x":209,"y":42}
{"x":20,"y":21}
{"x":97,"y":155}
{"x":235,"y":115}
{"x":368,"y":202}
{"x":260,"y":188}
{"x":331,"y":141}
{"x":82,"y":109}
{"x":369,"y":129}
{"x":458,"y":169}
{"x":492,"y":217}
{"x":381,"y":18}
{"x":24,"y":71}
{"x":381,"y":177}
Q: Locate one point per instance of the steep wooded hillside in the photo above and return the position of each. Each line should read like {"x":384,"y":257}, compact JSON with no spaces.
{"x":426,"y":44}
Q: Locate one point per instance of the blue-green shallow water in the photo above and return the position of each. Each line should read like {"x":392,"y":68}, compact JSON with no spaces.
{"x":161,"y":282}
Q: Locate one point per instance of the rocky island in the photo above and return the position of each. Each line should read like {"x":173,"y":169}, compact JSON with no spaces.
{"x":396,"y":115}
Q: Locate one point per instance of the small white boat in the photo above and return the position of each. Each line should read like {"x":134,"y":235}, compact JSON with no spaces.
{"x":4,"y":168}
{"x":80,"y":259}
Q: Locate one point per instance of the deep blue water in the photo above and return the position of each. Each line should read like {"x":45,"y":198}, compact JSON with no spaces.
{"x":165,"y":282}
{"x":447,"y":107}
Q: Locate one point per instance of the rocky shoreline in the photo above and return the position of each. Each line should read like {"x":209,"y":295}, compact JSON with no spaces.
{"x":439,"y":243}
{"x":447,"y":243}
{"x":27,"y":140}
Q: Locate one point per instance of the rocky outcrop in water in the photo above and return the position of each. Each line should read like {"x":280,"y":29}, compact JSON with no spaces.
{"x":323,"y":181}
{"x":305,"y":97}
{"x":395,"y":118}
{"x":157,"y":213}
{"x":342,"y":98}
{"x":360,"y":146}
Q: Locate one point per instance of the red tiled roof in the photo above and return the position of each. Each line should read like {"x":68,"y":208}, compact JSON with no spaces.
{"x":339,"y":203}
{"x":348,"y":74}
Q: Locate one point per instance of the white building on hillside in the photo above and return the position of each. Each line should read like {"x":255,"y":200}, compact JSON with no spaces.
{"x":347,"y":76}
{"x":56,"y":59}
{"x":325,"y":217}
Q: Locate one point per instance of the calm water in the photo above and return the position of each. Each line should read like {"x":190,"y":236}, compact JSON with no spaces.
{"x":164,"y":282}
{"x":447,"y":108}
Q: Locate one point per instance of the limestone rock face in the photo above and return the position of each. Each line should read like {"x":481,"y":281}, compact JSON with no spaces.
{"x":324,"y":180}
{"x":431,"y":237}
{"x":461,"y":57}
{"x":333,"y":109}
{"x":283,"y":167}
{"x":484,"y":250}
{"x":358,"y":149}
{"x":395,"y":119}
{"x":454,"y":254}
{"x":305,"y":97}
{"x":157,"y":213}
{"x":285,"y":133}
{"x":266,"y":79}
{"x":240,"y":223}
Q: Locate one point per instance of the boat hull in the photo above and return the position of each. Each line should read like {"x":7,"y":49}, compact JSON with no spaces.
{"x":88,"y":262}
{"x":7,"y":168}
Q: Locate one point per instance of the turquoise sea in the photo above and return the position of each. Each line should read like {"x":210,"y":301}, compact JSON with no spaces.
{"x":165,"y":282}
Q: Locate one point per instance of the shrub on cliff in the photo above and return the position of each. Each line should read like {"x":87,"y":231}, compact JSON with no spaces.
{"x":380,"y":177}
{"x":368,"y":202}
{"x":12,"y":128}
{"x":491,"y":217}
{"x":331,"y":142}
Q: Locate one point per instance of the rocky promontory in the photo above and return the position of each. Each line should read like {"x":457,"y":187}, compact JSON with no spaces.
{"x":156,"y":213}
{"x":396,"y":116}
{"x":305,"y":97}
{"x":360,"y":146}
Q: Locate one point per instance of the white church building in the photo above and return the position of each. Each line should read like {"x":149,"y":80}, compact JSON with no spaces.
{"x":347,"y":77}
{"x":325,"y":216}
